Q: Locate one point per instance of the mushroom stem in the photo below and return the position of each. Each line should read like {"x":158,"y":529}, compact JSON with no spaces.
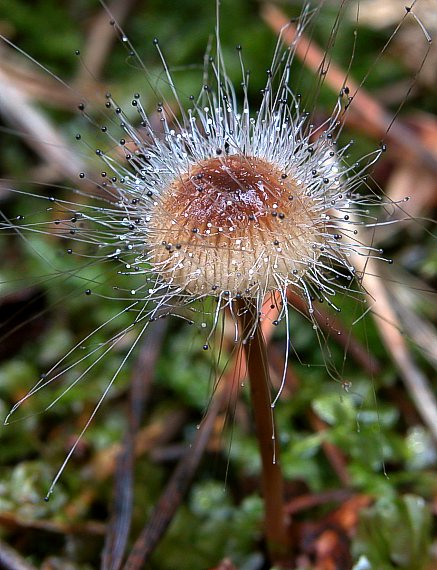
{"x":272,"y":482}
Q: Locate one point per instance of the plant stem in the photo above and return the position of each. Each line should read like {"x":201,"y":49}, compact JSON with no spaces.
{"x":272,"y":482}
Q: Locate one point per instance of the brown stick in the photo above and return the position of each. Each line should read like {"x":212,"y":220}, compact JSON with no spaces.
{"x":100,"y":39}
{"x":371,"y":115}
{"x":122,"y":508}
{"x":178,"y":485}
{"x":272,"y":482}
{"x":11,"y":560}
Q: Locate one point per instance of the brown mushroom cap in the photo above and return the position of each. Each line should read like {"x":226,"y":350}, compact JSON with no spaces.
{"x":235,"y":223}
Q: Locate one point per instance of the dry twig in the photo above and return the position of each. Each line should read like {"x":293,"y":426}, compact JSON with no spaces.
{"x":11,"y":560}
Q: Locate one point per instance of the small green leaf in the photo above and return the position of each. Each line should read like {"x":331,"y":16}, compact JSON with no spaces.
{"x":395,"y":533}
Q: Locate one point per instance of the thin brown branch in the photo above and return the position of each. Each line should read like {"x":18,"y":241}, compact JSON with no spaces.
{"x":340,"y":334}
{"x":158,"y":432}
{"x":175,"y":491}
{"x":305,"y":502}
{"x":391,"y":333}
{"x":332,"y":452}
{"x":100,"y":40}
{"x":370,"y":115}
{"x":41,"y":135}
{"x":36,"y":84}
{"x":12,"y":521}
{"x":119,"y":525}
{"x":11,"y":560}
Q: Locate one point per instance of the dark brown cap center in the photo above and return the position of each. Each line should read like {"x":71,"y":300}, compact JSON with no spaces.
{"x":228,"y":191}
